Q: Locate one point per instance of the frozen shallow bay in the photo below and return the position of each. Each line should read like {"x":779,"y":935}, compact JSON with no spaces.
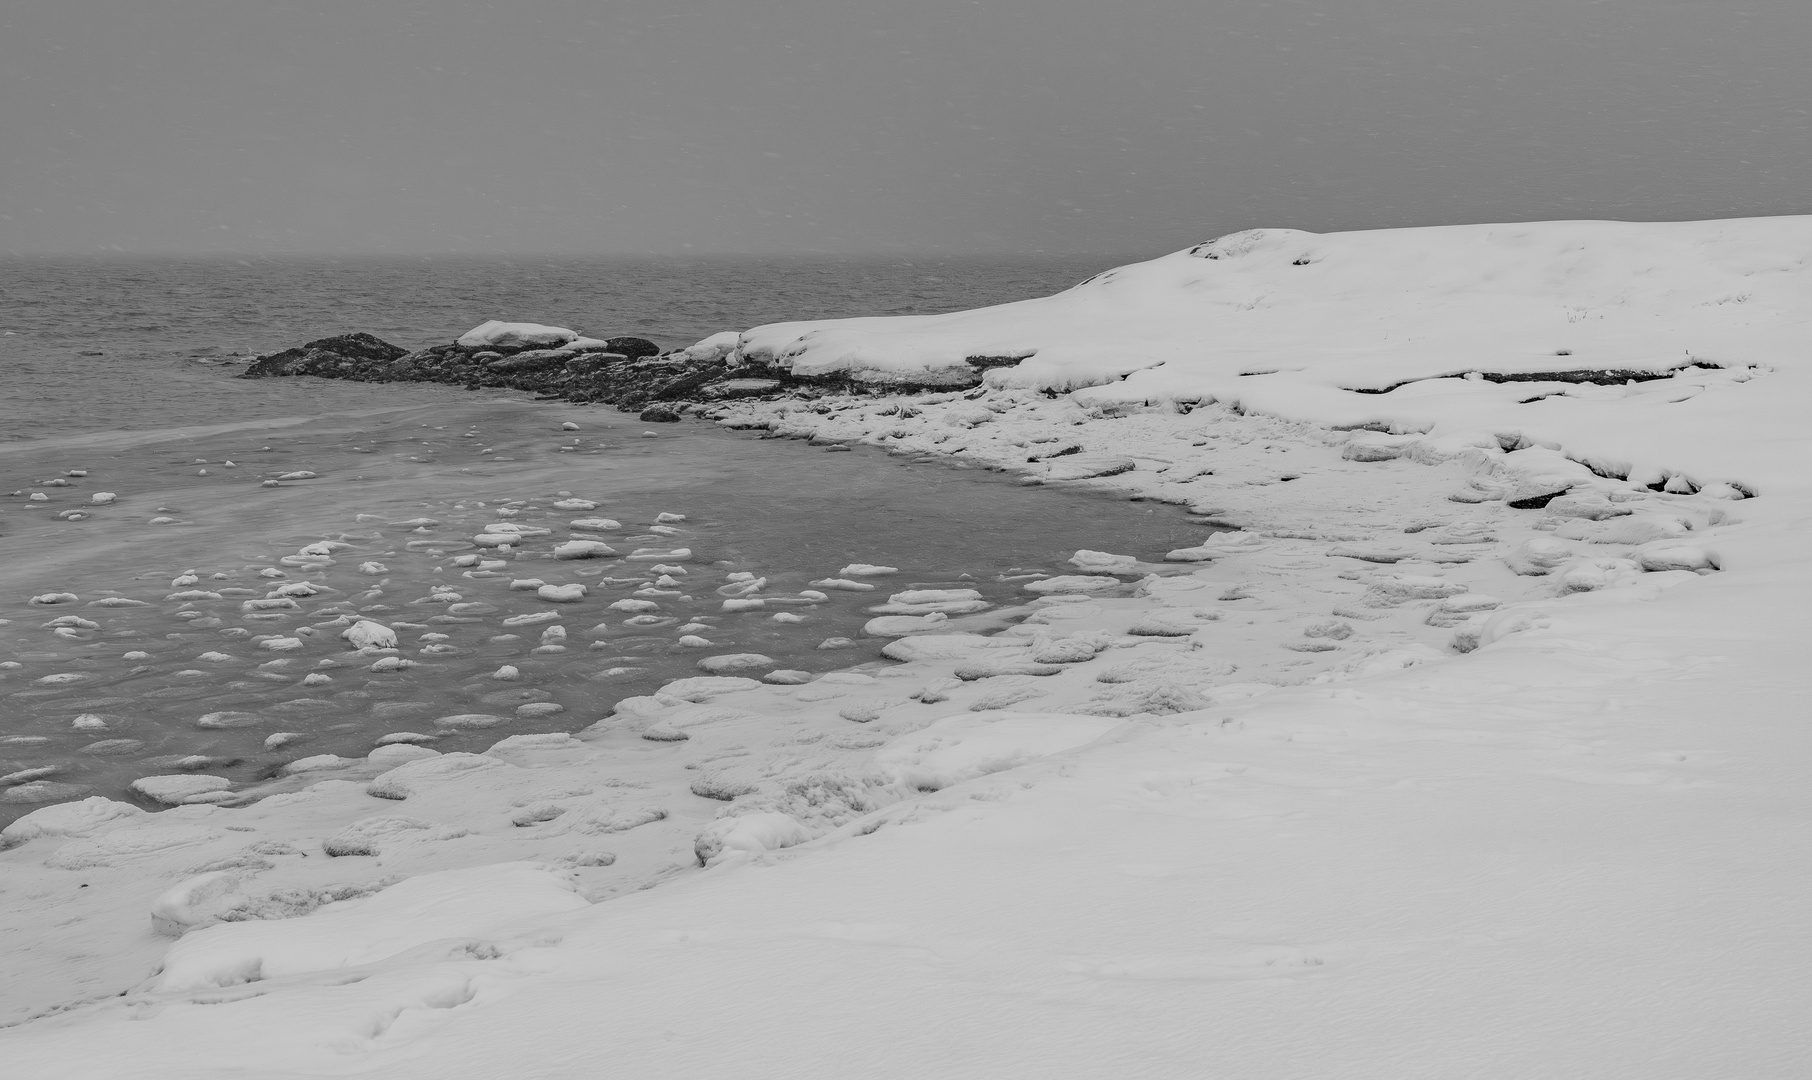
{"x":207,"y":633}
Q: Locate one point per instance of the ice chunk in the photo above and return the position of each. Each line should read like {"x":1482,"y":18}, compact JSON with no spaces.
{"x":641,"y":554}
{"x":704,"y":687}
{"x":1072,"y":583}
{"x":717,"y":665}
{"x":175,"y":789}
{"x":195,"y":902}
{"x":1537,"y":556}
{"x":753,"y":833}
{"x":405,"y":780}
{"x":471,"y":721}
{"x":942,"y":646}
{"x":1676,"y":557}
{"x":1641,"y":529}
{"x":585,"y":549}
{"x":933,"y":596}
{"x":370,"y":635}
{"x":902,"y":625}
{"x":83,"y":818}
{"x":842,"y":583}
{"x":1102,"y":562}
{"x":318,"y":763}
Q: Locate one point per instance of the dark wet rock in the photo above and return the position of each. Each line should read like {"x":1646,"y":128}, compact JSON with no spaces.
{"x":330,"y":357}
{"x":534,"y":360}
{"x":637,"y":383}
{"x":1596,"y":376}
{"x":985,"y":362}
{"x":632,"y":347}
{"x":628,"y":372}
{"x":1536,"y":501}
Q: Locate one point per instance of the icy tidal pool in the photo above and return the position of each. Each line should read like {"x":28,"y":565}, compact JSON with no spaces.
{"x":195,"y":623}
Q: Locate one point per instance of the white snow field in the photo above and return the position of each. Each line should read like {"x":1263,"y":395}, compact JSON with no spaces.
{"x":1479,"y":750}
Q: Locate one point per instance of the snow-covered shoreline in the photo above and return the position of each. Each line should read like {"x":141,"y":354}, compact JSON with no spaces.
{"x":1400,"y":776}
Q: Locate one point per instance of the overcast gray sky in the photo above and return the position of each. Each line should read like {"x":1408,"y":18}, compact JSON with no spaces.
{"x":878,"y":125}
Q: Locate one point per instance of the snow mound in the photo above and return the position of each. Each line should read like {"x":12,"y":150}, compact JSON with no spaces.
{"x":478,"y":902}
{"x":1339,"y":308}
{"x":514,"y":334}
{"x":753,"y":833}
{"x":84,"y":817}
{"x":968,"y":745}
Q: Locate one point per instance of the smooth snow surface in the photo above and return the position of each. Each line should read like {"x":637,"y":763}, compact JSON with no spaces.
{"x":1364,"y":309}
{"x":1478,"y":751}
{"x":479,"y":902}
{"x":494,"y":332}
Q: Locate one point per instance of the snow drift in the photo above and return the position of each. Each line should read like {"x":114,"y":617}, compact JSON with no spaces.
{"x":1361,"y":310}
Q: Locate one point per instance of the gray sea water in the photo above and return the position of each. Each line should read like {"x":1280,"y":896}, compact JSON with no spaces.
{"x":117,"y":377}
{"x":117,"y":344}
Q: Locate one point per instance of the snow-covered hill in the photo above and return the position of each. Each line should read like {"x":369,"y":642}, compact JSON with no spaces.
{"x":1292,"y":324}
{"x":1366,"y":309}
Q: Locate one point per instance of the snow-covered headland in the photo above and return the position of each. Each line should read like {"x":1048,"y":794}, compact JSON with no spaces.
{"x":1475,"y":750}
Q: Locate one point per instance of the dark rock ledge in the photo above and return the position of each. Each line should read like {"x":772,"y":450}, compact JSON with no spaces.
{"x":628,"y":372}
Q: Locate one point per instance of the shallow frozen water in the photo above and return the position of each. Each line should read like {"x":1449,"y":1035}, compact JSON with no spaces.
{"x":166,"y":683}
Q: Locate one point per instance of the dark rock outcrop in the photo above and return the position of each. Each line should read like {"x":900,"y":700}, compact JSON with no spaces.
{"x":1536,"y":501}
{"x":633,"y":347}
{"x":330,"y":357}
{"x":628,"y":372}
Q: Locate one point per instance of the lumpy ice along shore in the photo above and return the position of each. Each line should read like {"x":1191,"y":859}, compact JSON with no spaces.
{"x":499,"y":570}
